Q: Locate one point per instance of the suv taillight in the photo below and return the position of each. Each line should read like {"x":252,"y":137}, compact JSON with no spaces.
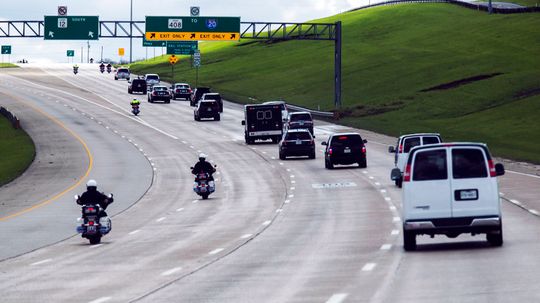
{"x":407,"y":174}
{"x":154,"y":93}
{"x":330,"y":151}
{"x":363,"y":149}
{"x":492,"y":171}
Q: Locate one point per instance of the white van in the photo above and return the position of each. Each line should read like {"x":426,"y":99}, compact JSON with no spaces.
{"x":450,"y":189}
{"x":404,"y":145}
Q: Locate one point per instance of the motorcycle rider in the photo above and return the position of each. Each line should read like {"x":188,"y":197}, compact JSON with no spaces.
{"x":135,"y":102}
{"x":92,"y":197}
{"x":205,"y":167}
{"x":75,"y":68}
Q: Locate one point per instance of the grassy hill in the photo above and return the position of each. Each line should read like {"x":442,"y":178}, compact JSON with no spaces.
{"x":16,"y":151}
{"x":417,"y":67}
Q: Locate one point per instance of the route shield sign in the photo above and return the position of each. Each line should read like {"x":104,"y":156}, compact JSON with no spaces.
{"x":192,"y":28}
{"x":71,"y":28}
{"x":70,"y":53}
{"x":6,"y":49}
{"x":181,"y":47}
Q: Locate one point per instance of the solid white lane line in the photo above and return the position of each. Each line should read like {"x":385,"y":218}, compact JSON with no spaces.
{"x":501,"y":194}
{"x":515,"y":201}
{"x":386,"y":246}
{"x":267,"y":222}
{"x":369,"y":266}
{"x":101,"y":300}
{"x":246,"y":236}
{"x":337,"y":298}
{"x":180,"y":209}
{"x":215,"y":251}
{"x":395,"y":232}
{"x":161,"y":219}
{"x":171,"y":271}
{"x":134,"y":232}
{"x":534,"y":212}
{"x":94,"y":246}
{"x":523,"y":174}
{"x":41,"y":262}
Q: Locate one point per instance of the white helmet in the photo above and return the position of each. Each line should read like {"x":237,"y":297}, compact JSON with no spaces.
{"x":202,"y":156}
{"x":91,"y":183}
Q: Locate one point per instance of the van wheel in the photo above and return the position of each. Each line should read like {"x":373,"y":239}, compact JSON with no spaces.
{"x":409,"y":240}
{"x":495,"y":239}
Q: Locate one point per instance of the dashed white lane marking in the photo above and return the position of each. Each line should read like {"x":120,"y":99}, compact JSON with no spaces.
{"x":134,"y":232}
{"x":101,"y":300}
{"x":293,"y":182}
{"x":194,"y":201}
{"x":386,"y":246}
{"x":371,"y":177}
{"x":292,"y":176}
{"x":293,"y":188}
{"x":337,"y":298}
{"x":396,"y":219}
{"x":387,"y":198}
{"x":273,"y":158}
{"x":291,"y":196}
{"x":364,"y":172}
{"x":377,"y":184}
{"x":264,"y":152}
{"x":171,"y":271}
{"x":267,"y":222}
{"x":515,"y":201}
{"x":41,"y":262}
{"x":288,"y":169}
{"x":161,"y":219}
{"x":287,"y":201}
{"x":94,"y":246}
{"x":246,"y":236}
{"x":392,"y":207}
{"x":383,"y":191}
{"x":180,"y":209}
{"x":184,"y":142}
{"x":279,"y":210}
{"x":369,"y":266}
{"x":395,"y":232}
{"x":215,"y":251}
{"x":534,"y":212}
{"x":192,"y":147}
{"x":280,"y":163}
{"x":501,"y":194}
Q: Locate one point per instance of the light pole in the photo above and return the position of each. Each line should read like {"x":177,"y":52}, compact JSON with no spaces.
{"x":131,"y":32}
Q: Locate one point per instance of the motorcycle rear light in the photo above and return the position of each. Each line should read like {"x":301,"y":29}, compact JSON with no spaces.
{"x":91,"y":223}
{"x":407,"y":174}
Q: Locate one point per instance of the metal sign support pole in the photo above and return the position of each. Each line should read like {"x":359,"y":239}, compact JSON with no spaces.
{"x":197,"y":76}
{"x":337,"y":67}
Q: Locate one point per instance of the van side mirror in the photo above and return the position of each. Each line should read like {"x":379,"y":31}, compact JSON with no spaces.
{"x":324,"y":143}
{"x":391,"y":149}
{"x":395,"y":174}
{"x":499,"y":169}
{"x":365,"y":141}
{"x":243,"y":122}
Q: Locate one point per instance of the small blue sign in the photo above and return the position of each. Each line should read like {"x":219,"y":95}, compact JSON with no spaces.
{"x":211,"y":23}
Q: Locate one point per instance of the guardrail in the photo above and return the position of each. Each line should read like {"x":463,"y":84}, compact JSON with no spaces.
{"x":315,"y":113}
{"x":15,"y":122}
{"x":475,"y":6}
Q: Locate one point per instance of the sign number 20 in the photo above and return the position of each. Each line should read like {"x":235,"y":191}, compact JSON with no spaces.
{"x":175,"y":23}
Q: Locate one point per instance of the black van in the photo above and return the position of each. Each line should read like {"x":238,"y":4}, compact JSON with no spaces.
{"x":262,"y":122}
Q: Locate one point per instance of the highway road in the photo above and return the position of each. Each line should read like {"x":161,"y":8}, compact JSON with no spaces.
{"x":275,"y":231}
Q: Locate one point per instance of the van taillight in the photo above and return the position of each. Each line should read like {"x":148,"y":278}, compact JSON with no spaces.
{"x":492,"y":171}
{"x":407,"y":174}
{"x":400,"y":148}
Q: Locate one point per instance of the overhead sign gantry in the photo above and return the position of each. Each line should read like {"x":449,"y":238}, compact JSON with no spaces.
{"x":169,"y":28}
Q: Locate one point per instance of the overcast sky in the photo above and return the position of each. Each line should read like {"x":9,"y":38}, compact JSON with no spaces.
{"x":36,"y":49}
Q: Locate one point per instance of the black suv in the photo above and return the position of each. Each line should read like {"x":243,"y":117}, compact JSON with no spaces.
{"x":137,"y":85}
{"x":197,"y":94}
{"x":297,"y":142}
{"x":214,"y":96}
{"x":206,"y":109}
{"x":345,"y":148}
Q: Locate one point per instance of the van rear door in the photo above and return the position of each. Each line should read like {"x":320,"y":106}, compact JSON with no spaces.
{"x":474,"y":191}
{"x":427,"y":193}
{"x":403,"y":150}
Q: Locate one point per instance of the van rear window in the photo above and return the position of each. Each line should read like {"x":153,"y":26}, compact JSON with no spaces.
{"x":410,"y":143}
{"x":301,"y":117}
{"x":468,"y":163}
{"x":431,"y":140}
{"x":430,"y":165}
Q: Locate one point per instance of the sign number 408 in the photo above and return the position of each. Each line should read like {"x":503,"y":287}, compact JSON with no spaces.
{"x":175,"y":23}
{"x":62,"y":23}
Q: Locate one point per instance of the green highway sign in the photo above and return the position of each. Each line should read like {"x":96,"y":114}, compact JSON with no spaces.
{"x":163,"y":28}
{"x":181,"y":47}
{"x":153,"y":43}
{"x":6,"y":49}
{"x":70,"y":53}
{"x":71,"y":28}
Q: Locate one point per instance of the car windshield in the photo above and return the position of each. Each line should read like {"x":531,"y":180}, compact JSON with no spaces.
{"x":430,"y":165}
{"x":468,"y":163}
{"x":182,"y":86}
{"x":346,"y":140}
{"x":212,"y":97}
{"x":152,"y":77}
{"x":123,"y":70}
{"x":300,"y":117}
{"x":298,"y":136}
{"x":431,"y":140}
{"x":160,"y":88}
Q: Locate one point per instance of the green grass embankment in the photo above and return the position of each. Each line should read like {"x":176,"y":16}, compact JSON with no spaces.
{"x":7,"y":65}
{"x":16,"y":151}
{"x":392,"y":56}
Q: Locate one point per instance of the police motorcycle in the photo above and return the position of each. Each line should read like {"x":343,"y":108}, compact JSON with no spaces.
{"x":93,"y":224}
{"x":109,"y":68}
{"x":75,"y":69}
{"x":203,"y":185}
{"x":102,"y":68}
{"x":135,"y":109}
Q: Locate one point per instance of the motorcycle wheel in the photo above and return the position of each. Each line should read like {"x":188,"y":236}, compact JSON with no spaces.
{"x":204,"y":196}
{"x":95,"y":239}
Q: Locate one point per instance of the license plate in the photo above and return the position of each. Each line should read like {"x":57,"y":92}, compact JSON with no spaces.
{"x":466,"y":194}
{"x":183,"y":91}
{"x":298,"y":142}
{"x":91,"y":229}
{"x":347,"y":151}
